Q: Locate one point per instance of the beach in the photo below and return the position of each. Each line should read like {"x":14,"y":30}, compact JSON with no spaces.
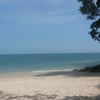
{"x":52,"y":85}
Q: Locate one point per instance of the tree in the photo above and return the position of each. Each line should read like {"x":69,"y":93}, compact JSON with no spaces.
{"x":91,"y":8}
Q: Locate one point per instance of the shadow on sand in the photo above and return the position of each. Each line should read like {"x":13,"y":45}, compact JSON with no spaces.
{"x":69,"y":73}
{"x":4,"y":96}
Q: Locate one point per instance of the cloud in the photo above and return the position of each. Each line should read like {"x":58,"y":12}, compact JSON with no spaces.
{"x":46,"y":20}
{"x":47,"y":2}
{"x":54,"y":2}
{"x":15,"y":1}
{"x":8,"y":1}
{"x":40,"y":19}
{"x":36,"y":15}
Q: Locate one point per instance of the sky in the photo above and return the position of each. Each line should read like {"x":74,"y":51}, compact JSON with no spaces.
{"x":44,"y":26}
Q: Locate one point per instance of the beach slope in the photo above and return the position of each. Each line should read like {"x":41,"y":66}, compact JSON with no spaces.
{"x":57,"y":85}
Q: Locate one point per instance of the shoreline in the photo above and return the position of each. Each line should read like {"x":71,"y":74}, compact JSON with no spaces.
{"x":40,"y":72}
{"x":35,"y":72}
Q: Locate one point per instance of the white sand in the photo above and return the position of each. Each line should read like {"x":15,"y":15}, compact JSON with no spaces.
{"x":61,"y":84}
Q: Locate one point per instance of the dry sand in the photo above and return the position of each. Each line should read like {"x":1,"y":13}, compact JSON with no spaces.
{"x":49,"y":86}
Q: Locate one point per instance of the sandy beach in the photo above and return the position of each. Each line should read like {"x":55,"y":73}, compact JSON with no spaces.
{"x":56,"y":85}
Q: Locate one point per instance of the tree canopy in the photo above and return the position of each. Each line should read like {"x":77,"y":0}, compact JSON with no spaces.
{"x":91,"y":8}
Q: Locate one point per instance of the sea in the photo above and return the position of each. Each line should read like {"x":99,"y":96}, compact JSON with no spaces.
{"x":39,"y":62}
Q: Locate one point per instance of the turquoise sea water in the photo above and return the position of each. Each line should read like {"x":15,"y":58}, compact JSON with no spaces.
{"x":32,"y":62}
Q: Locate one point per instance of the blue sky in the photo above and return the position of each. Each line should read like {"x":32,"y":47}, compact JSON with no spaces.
{"x":44,"y":26}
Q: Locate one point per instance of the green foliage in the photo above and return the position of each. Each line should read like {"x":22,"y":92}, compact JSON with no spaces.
{"x":91,"y":8}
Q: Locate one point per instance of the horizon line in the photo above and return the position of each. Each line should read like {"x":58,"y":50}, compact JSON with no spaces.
{"x":47,"y":53}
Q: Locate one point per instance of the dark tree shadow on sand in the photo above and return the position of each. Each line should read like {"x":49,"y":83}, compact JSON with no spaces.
{"x":98,"y":86}
{"x":69,"y":73}
{"x":4,"y":96}
{"x":82,"y":98}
